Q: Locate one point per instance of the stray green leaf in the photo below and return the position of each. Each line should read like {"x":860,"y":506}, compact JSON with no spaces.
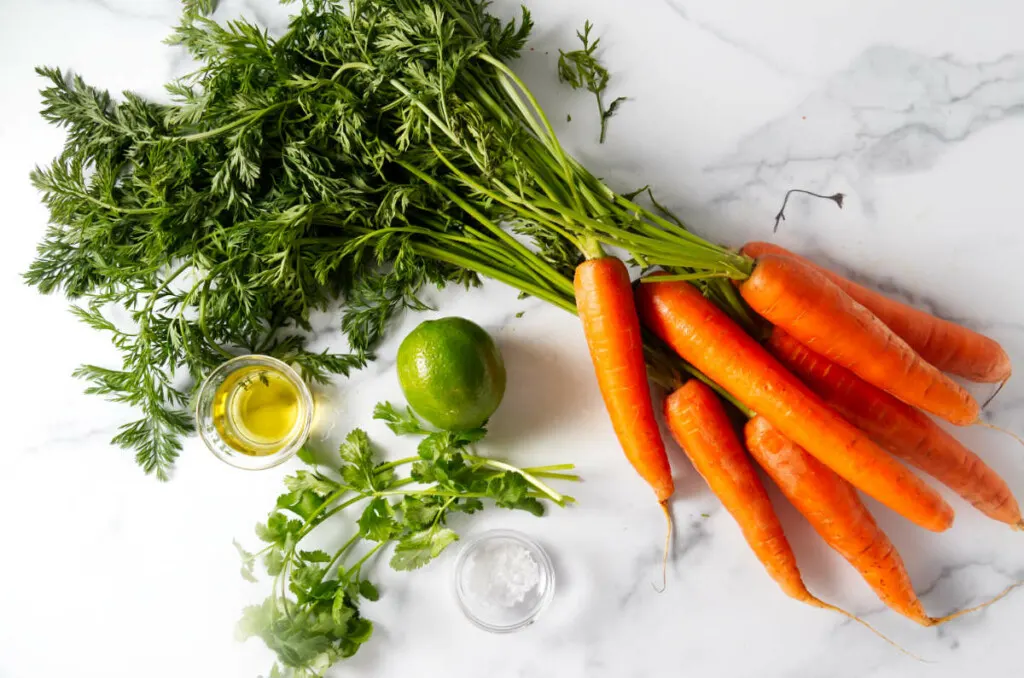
{"x":580,"y":68}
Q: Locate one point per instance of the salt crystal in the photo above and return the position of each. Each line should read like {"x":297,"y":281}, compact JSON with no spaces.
{"x":501,"y":574}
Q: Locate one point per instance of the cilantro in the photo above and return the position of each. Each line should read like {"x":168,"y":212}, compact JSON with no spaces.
{"x":378,"y":520}
{"x":401,"y":423}
{"x":311,"y":619}
{"x":419,"y":548}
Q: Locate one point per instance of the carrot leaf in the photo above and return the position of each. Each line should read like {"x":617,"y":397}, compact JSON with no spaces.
{"x":580,"y":68}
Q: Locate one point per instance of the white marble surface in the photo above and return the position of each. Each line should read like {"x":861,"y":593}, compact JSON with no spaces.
{"x":913,"y":109}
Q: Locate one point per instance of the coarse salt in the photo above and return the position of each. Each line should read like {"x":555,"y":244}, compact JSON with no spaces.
{"x":501,"y":574}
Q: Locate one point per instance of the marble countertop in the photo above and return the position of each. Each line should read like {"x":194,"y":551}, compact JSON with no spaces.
{"x":914,"y":110}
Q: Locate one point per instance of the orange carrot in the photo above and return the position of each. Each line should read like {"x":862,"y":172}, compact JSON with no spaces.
{"x":704,"y":335}
{"x":832,"y":507}
{"x":906,"y":432}
{"x":818,"y":314}
{"x":701,"y":427}
{"x":949,"y":347}
{"x":604,"y":300}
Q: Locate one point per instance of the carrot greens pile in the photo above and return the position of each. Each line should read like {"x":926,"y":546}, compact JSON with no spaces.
{"x":374,"y":148}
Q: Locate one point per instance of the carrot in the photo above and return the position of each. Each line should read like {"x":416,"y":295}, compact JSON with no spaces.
{"x":906,"y":432}
{"x":604,"y":301}
{"x":818,"y":314}
{"x":704,"y":336}
{"x":949,"y":347}
{"x":832,"y":507}
{"x":700,"y":425}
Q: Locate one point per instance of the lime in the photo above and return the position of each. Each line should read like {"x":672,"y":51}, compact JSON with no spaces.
{"x":451,"y":373}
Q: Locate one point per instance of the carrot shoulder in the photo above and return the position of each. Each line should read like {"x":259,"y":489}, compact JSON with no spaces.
{"x":832,"y":507}
{"x":948,"y":346}
{"x":704,"y":335}
{"x":906,"y":432}
{"x":815,"y":312}
{"x":604,"y":299}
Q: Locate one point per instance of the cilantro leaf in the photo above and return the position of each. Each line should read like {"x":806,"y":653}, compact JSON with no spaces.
{"x":401,"y":423}
{"x":360,"y":471}
{"x":378,"y":520}
{"x":278,"y":529}
{"x":248,"y":560}
{"x":470,"y":505}
{"x":368,"y":590}
{"x":317,"y":483}
{"x":356,"y":448}
{"x":303,"y":503}
{"x":420,"y":512}
{"x":317,"y":556}
{"x":419,"y":548}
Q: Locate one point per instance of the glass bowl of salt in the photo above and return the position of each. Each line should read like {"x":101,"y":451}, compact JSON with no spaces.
{"x":503,"y":580}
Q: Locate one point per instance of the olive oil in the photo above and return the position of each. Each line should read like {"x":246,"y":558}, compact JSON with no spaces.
{"x":257,"y":410}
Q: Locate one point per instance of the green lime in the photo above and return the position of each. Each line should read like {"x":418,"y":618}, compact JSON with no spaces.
{"x":451,"y":373}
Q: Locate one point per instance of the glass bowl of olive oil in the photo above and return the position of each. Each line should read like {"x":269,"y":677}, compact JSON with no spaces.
{"x":254,"y":412}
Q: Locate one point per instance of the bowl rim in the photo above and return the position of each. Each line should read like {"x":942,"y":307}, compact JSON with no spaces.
{"x":255,"y":463}
{"x":543,"y":560}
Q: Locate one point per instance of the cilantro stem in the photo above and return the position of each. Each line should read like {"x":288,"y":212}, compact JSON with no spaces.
{"x":556,"y":476}
{"x":533,"y":480}
{"x":359,"y":563}
{"x":340,"y":552}
{"x":432,"y":492}
{"x":311,"y":520}
{"x":552,"y":467}
{"x":310,"y":525}
{"x":398,"y":462}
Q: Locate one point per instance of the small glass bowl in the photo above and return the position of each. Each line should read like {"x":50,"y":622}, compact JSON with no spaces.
{"x":497,"y":618}
{"x":220,"y":447}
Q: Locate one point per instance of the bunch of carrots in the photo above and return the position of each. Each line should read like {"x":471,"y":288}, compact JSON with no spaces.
{"x":836,"y":398}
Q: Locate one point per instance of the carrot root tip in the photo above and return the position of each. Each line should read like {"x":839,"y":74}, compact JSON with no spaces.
{"x":935,"y":621}
{"x":1000,"y":429}
{"x":668,"y":545}
{"x":852,"y":617}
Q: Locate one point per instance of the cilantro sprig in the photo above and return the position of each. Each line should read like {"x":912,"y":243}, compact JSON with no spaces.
{"x":311,"y":619}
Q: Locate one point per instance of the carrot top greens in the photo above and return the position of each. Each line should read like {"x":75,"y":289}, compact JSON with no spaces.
{"x":373,"y":148}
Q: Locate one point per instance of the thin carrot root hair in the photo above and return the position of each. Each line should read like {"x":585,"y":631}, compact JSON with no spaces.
{"x":998,"y":389}
{"x":668,"y":546}
{"x":1000,"y":429}
{"x":935,"y":621}
{"x":816,"y":602}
